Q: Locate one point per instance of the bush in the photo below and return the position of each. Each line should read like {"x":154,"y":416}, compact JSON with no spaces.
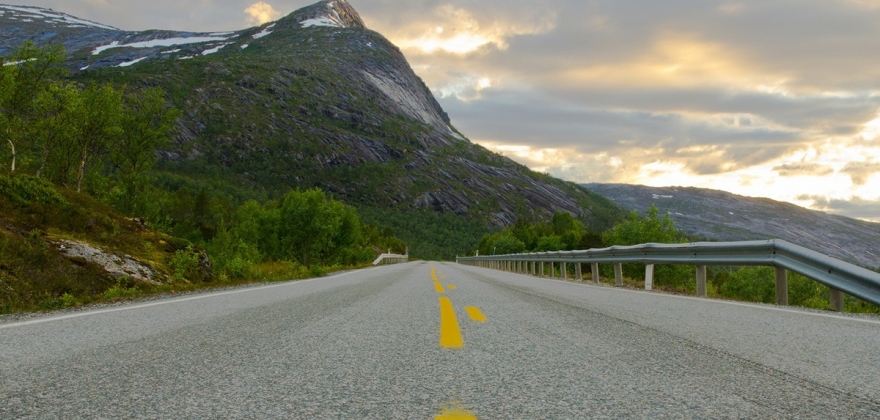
{"x":183,"y":264}
{"x":23,"y":190}
{"x":652,"y":228}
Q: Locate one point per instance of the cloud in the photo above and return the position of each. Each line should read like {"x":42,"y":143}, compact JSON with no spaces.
{"x":803,"y":169}
{"x":856,"y":207}
{"x":260,"y":13}
{"x":859,"y":172}
{"x":470,"y":29}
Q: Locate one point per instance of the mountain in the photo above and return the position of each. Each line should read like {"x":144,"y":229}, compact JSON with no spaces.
{"x":722,"y":216}
{"x":314,"y":99}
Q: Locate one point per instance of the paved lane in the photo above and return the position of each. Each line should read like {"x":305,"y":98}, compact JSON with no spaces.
{"x":423,"y":341}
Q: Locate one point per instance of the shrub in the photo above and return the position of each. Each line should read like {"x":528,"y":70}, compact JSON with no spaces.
{"x":183,"y":264}
{"x":23,"y":190}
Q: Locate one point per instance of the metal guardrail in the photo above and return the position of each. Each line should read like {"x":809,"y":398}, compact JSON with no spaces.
{"x":840,"y":276}
{"x":386,"y":259}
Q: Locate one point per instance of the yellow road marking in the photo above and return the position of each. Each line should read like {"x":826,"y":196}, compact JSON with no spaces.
{"x":451,"y":286}
{"x":450,"y":334}
{"x":455,"y":415}
{"x":475,"y":313}
{"x":439,"y":287}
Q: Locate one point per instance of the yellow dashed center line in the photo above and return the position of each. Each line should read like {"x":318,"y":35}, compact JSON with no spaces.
{"x":475,"y":313}
{"x":450,"y":286}
{"x":439,"y":287}
{"x":455,"y":415}
{"x":450,"y":334}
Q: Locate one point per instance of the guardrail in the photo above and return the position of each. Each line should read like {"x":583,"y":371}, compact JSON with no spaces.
{"x":386,"y":259}
{"x":841,"y":277}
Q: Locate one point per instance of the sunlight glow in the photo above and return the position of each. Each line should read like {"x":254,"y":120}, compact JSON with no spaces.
{"x":462,"y":32}
{"x":871,"y":130}
{"x":825,"y":176}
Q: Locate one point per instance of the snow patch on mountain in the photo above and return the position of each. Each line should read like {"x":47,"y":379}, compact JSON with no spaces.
{"x":51,"y":16}
{"x":166,"y":42}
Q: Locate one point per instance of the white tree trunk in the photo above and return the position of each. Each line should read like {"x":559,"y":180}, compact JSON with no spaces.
{"x":12,"y":145}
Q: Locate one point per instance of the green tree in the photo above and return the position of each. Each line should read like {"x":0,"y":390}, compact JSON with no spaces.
{"x":146,"y":123}
{"x":507,"y":244}
{"x":311,"y":226}
{"x":550,"y":243}
{"x":97,"y":125}
{"x":27,"y":73}
{"x":652,"y":228}
{"x":638,"y":230}
{"x":56,"y":111}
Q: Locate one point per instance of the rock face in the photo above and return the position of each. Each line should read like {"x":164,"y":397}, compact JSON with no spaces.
{"x":722,"y":216}
{"x":115,"y":265}
{"x":314,"y":99}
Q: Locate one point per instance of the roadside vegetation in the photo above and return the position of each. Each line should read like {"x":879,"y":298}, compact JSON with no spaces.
{"x":77,"y":164}
{"x":750,"y":284}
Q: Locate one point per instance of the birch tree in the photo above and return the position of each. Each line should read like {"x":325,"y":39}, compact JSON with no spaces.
{"x":23,"y":76}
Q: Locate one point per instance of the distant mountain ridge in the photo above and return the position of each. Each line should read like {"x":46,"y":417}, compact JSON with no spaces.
{"x":721,"y":216}
{"x":314,"y":99}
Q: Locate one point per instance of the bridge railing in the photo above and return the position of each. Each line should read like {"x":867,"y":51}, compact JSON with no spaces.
{"x":386,"y":259}
{"x":841,"y":277}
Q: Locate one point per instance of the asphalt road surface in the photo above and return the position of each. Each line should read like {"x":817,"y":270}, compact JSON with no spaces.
{"x":439,"y":341}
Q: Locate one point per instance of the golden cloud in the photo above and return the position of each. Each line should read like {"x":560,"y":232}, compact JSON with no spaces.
{"x":260,"y":13}
{"x":460,"y":31}
{"x":679,"y":60}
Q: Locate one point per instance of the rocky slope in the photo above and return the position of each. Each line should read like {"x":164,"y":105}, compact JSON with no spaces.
{"x":722,"y":216}
{"x":314,"y":99}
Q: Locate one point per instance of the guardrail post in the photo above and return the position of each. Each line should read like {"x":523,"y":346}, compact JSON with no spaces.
{"x":552,"y":270}
{"x":649,"y":276}
{"x":578,"y":274}
{"x":701,"y":280}
{"x":565,"y":271}
{"x":836,"y":299}
{"x":534,"y":269}
{"x":542,"y":268}
{"x":781,"y":286}
{"x":594,"y":270}
{"x":618,"y":274}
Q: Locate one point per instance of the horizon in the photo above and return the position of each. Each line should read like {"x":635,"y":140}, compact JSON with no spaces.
{"x":753,"y":98}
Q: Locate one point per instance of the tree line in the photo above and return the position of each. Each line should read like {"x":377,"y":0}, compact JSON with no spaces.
{"x":65,"y":132}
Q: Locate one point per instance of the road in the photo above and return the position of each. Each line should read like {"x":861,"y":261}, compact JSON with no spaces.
{"x":439,"y":341}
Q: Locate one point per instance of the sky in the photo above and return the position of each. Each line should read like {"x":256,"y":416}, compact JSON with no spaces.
{"x":768,"y":98}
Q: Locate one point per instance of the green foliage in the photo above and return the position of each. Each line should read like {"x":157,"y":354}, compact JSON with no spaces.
{"x":27,"y":73}
{"x":550,"y":243}
{"x":23,"y":190}
{"x":652,"y":228}
{"x":639,"y":230}
{"x":752,"y":284}
{"x":507,"y":244}
{"x":561,"y":232}
{"x":184,"y":264}
{"x":758,"y":284}
{"x":448,"y":232}
{"x":123,"y":289}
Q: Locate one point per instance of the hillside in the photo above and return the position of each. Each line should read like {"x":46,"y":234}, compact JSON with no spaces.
{"x":62,"y":248}
{"x":722,"y":216}
{"x":314,"y":99}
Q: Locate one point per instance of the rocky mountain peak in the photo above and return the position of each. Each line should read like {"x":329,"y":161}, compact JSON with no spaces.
{"x":329,"y":13}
